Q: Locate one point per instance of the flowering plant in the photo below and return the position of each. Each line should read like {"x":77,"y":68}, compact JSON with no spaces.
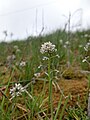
{"x":16,"y":90}
{"x":48,"y":47}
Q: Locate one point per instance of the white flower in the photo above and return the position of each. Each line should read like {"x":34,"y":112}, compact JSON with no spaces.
{"x":37,"y":75}
{"x":47,"y":47}
{"x":65,"y":46}
{"x":22,"y":64}
{"x":16,"y":90}
{"x":57,"y":71}
{"x":15,"y":47}
{"x":85,"y":60}
{"x":61,"y":41}
{"x":86,"y":35}
{"x":87,"y":46}
{"x":18,"y":50}
{"x":45,"y":58}
{"x":57,"y":56}
{"x":39,"y":66}
{"x":80,"y":46}
{"x":85,"y":49}
{"x":88,"y":43}
{"x":67,"y":43}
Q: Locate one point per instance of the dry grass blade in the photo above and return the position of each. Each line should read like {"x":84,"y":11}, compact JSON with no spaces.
{"x":43,"y":102}
{"x":54,"y":86}
{"x":21,"y":117}
{"x":39,"y":117}
{"x":60,"y":89}
{"x":21,"y":107}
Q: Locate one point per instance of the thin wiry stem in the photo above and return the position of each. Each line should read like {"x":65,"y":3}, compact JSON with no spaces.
{"x":50,"y":89}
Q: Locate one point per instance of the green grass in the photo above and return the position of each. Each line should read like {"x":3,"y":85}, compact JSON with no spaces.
{"x":39,"y":106}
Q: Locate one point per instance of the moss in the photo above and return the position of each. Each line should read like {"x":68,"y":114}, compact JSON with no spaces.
{"x":72,"y":72}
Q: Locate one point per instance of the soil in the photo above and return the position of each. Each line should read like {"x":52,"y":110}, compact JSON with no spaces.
{"x":75,"y":87}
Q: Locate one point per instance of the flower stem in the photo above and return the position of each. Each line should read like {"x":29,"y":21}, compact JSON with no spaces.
{"x":50,"y":102}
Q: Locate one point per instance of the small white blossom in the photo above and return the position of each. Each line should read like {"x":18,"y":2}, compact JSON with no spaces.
{"x":80,"y":46}
{"x":22,"y":64}
{"x":85,"y":49}
{"x":67,"y":43}
{"x":18,"y":50}
{"x":47,"y":47}
{"x":87,"y":46}
{"x":37,"y":75}
{"x":15,"y":47}
{"x":16,"y":90}
{"x":57,"y":71}
{"x":86,"y":35}
{"x":61,"y":41}
{"x":45,"y":58}
{"x":88,"y":43}
{"x":57,"y":56}
{"x":65,"y":46}
{"x":39,"y":66}
{"x":85,"y":59}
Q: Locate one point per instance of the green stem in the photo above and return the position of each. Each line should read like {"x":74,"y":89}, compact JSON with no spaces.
{"x":50,"y":103}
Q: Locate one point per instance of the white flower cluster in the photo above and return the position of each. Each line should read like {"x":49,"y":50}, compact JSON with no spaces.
{"x":47,"y":47}
{"x":16,"y":90}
